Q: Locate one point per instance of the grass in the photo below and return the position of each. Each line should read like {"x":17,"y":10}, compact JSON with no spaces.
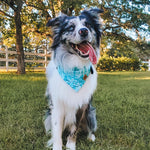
{"x":122,"y":100}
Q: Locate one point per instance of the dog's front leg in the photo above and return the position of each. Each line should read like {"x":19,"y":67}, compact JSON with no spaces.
{"x":71,"y":140}
{"x":57,"y":127}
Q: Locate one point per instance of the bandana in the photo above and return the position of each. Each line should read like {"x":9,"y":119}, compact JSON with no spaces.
{"x":75,"y":77}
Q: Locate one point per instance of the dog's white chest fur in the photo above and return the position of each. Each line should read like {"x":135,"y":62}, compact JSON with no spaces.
{"x":63,"y":94}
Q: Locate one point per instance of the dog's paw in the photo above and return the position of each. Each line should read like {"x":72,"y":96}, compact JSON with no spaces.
{"x":57,"y":147}
{"x":91,"y":137}
{"x":53,"y":146}
{"x":71,"y":146}
{"x":50,"y":143}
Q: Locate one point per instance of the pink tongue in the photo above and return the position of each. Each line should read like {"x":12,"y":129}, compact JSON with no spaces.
{"x":84,"y":48}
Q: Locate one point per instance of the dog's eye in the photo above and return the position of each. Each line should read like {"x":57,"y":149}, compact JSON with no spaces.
{"x":87,"y":25}
{"x":71,"y":28}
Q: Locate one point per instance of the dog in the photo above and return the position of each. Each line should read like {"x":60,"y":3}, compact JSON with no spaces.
{"x":72,"y":77}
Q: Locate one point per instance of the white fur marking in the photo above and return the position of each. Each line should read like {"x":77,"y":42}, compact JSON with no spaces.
{"x":91,"y":137}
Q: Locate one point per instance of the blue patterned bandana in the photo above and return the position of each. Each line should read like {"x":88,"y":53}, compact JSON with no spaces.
{"x":76,"y":77}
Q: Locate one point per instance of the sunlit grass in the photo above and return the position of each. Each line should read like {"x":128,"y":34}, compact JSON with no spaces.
{"x":122,"y":100}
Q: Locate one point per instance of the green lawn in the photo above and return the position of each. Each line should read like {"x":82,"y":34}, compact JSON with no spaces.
{"x":122,"y":100}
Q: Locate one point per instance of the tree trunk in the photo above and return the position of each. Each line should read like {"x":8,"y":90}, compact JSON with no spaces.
{"x":19,"y":43}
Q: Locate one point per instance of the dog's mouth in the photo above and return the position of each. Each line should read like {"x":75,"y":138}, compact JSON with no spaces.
{"x":85,"y":50}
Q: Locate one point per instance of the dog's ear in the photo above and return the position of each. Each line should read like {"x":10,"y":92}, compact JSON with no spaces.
{"x":53,"y":22}
{"x":56,"y":21}
{"x":56,"y":28}
{"x":94,"y":12}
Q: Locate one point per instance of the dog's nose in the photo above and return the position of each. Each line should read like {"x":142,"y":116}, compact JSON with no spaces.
{"x":83,"y":32}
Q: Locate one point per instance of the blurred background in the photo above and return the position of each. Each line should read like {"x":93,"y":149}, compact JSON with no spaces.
{"x":25,"y":40}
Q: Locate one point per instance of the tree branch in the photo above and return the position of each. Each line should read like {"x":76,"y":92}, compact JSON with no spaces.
{"x":109,"y":27}
{"x":122,"y":36}
{"x":31,"y":5}
{"x":39,"y":32}
{"x":3,"y":13}
{"x":39,"y":8}
{"x":10,"y":3}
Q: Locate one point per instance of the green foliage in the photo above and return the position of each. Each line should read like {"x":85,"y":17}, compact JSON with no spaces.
{"x":118,"y":64}
{"x":144,"y":67}
{"x":121,"y":16}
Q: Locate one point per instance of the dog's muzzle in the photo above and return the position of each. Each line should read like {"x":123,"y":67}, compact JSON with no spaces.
{"x":85,"y":50}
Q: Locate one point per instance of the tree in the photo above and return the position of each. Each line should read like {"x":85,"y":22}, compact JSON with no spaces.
{"x":15,"y":13}
{"x":16,"y":6}
{"x":122,"y":16}
{"x":119,"y":17}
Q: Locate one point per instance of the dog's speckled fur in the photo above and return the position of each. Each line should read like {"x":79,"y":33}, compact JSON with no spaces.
{"x":70,"y":108}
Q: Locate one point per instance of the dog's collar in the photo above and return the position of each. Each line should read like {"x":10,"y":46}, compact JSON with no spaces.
{"x":75,"y":77}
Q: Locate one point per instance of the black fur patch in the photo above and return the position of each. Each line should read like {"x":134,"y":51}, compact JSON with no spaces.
{"x":58,"y":24}
{"x":92,"y":20}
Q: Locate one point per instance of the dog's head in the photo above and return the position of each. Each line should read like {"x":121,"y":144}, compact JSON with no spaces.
{"x":80,"y":33}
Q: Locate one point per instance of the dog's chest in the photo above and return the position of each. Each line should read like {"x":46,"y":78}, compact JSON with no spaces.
{"x":62,"y":92}
{"x":75,"y":77}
